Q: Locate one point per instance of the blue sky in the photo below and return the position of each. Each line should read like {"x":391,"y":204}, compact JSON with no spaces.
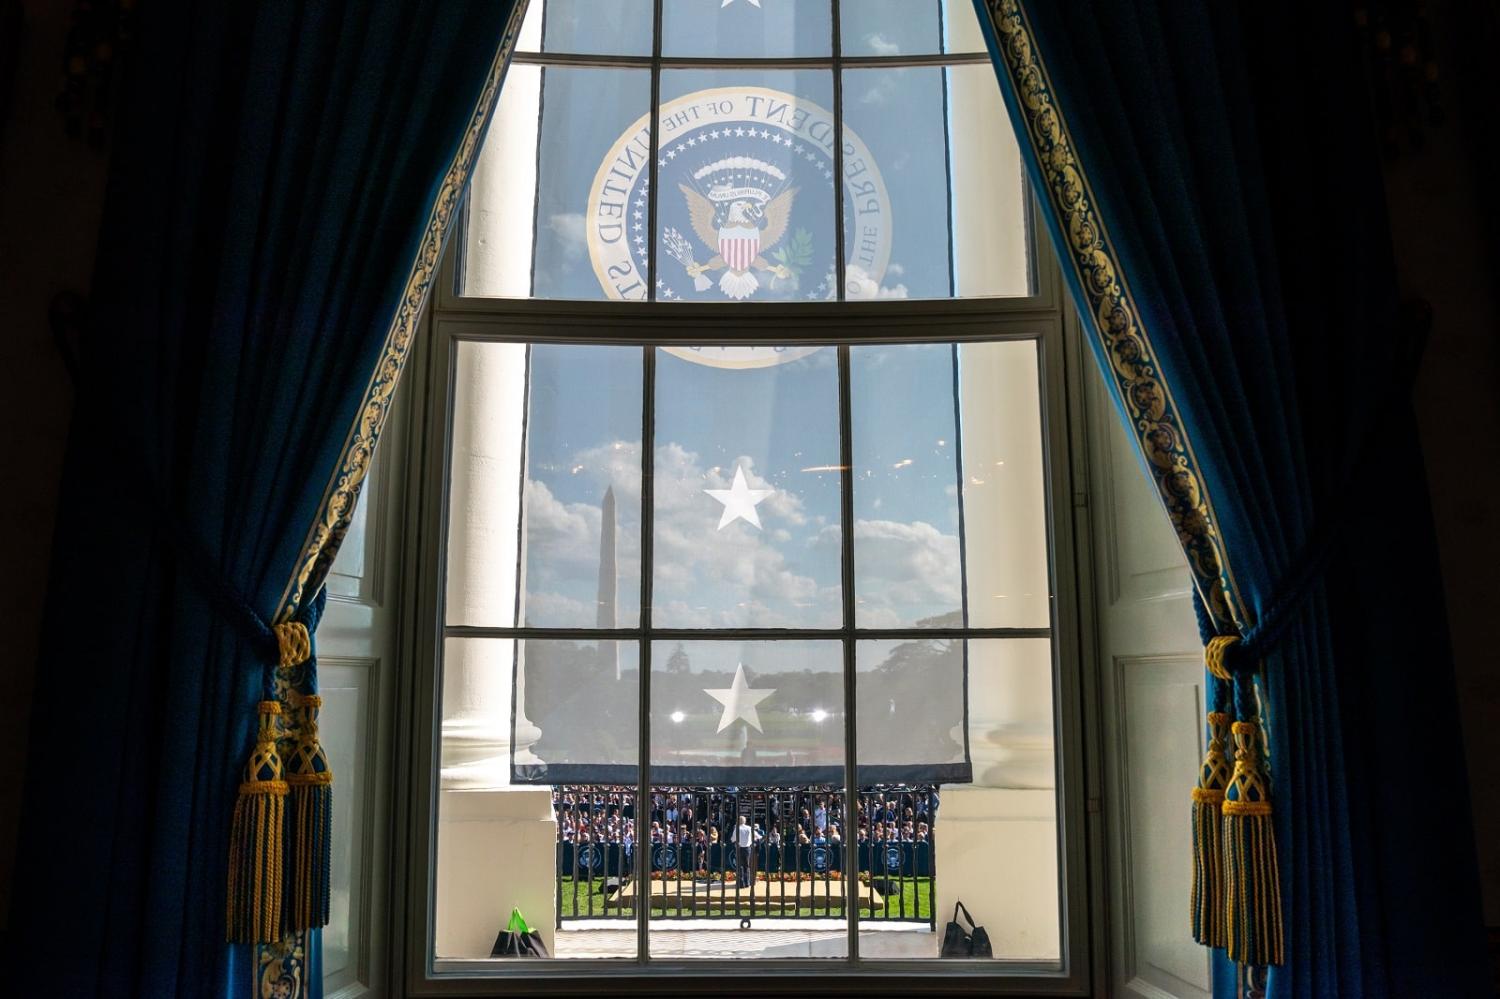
{"x":778,"y":424}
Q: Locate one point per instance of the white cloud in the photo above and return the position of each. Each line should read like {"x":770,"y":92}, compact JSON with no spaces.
{"x":903,"y":571}
{"x":564,"y":530}
{"x":863,"y":286}
{"x":549,"y":607}
{"x":571,"y":230}
{"x":705,"y":577}
{"x":880,"y":45}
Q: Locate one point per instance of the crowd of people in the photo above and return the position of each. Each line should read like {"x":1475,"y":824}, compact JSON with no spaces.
{"x":706,"y":817}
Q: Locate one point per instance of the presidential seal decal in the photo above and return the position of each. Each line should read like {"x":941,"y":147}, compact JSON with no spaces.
{"x":745,"y":209}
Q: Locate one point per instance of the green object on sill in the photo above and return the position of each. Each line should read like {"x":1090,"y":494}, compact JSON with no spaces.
{"x":517,"y":922}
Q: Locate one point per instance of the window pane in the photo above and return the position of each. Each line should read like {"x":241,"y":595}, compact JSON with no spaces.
{"x":912,"y":711}
{"x":596,"y":856}
{"x":591,"y":27}
{"x":571,"y":417}
{"x":577,"y":706}
{"x":941,"y":141}
{"x":746,"y":162}
{"x":949,"y":487}
{"x":746,"y":28}
{"x":907,"y":568}
{"x":746,"y":519}
{"x":991,"y":842}
{"x":908,"y":27}
{"x":751,"y":729}
{"x":501,"y":845}
{"x":557,"y":185}
{"x":1004,"y":490}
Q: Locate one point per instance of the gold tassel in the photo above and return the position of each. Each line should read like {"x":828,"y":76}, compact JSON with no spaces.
{"x":1208,"y":850}
{"x":311,"y":824}
{"x":253,"y":909}
{"x":1252,"y":880}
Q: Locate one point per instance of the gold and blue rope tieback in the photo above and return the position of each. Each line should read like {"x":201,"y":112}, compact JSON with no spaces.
{"x":281,"y":833}
{"x":1236,"y":878}
{"x":309,"y":822}
{"x":255,"y":839}
{"x":1208,"y":842}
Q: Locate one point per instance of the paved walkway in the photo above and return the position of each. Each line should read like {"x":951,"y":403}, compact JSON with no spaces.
{"x":716,"y":938}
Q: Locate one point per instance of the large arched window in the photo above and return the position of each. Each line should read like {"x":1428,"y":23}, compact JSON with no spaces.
{"x":745,"y":497}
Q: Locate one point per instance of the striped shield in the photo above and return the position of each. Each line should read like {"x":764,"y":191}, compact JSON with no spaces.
{"x":739,"y":246}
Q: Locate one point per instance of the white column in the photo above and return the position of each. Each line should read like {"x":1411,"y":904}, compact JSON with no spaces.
{"x":997,"y":837}
{"x":484,"y":566}
{"x":502,"y":193}
{"x":990,"y":237}
{"x":1010,"y":714}
{"x":1005,"y":562}
{"x":496,"y":844}
{"x":997,"y":853}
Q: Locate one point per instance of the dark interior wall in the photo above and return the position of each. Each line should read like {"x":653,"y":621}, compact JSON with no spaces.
{"x":51,"y":191}
{"x":1445,"y":219}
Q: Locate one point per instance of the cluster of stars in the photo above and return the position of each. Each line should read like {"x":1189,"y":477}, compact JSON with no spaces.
{"x":776,"y":138}
{"x":638,"y":227}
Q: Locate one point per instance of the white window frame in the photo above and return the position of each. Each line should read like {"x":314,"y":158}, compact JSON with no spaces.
{"x":1041,"y":317}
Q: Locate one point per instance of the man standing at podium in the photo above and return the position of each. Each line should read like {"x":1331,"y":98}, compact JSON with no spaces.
{"x":743,"y":836}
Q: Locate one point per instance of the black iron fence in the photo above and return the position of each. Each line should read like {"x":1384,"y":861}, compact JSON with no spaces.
{"x":802,"y":846}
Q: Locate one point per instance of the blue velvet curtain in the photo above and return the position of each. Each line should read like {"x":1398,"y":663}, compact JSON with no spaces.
{"x":281,"y":184}
{"x":1209,"y":177}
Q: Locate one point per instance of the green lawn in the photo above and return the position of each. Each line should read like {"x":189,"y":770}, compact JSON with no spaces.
{"x":585,"y":899}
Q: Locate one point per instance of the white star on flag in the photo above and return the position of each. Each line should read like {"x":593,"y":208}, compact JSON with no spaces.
{"x":739,"y":500}
{"x":739,"y":701}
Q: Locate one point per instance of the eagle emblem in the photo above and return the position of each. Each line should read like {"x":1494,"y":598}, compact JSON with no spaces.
{"x":738,"y":219}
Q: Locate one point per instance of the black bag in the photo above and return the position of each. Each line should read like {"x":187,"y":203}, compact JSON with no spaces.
{"x":513,"y":943}
{"x":518,"y":939}
{"x":959,"y":942}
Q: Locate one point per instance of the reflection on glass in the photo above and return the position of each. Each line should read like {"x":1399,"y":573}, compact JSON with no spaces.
{"x":1004,"y":488}
{"x":576,"y":716}
{"x":992,"y":842}
{"x":568,"y":531}
{"x":343,"y":732}
{"x":591,"y":27}
{"x":746,"y":171}
{"x":940,"y":139}
{"x":907,"y":569}
{"x":583,"y":487}
{"x":543,"y":197}
{"x":908,"y":27}
{"x":912,"y":712}
{"x":746,"y":28}
{"x":741,"y":712}
{"x":746,"y":488}
{"x":747,"y":740}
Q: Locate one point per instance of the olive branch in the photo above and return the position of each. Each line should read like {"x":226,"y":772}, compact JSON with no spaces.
{"x":795,"y":255}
